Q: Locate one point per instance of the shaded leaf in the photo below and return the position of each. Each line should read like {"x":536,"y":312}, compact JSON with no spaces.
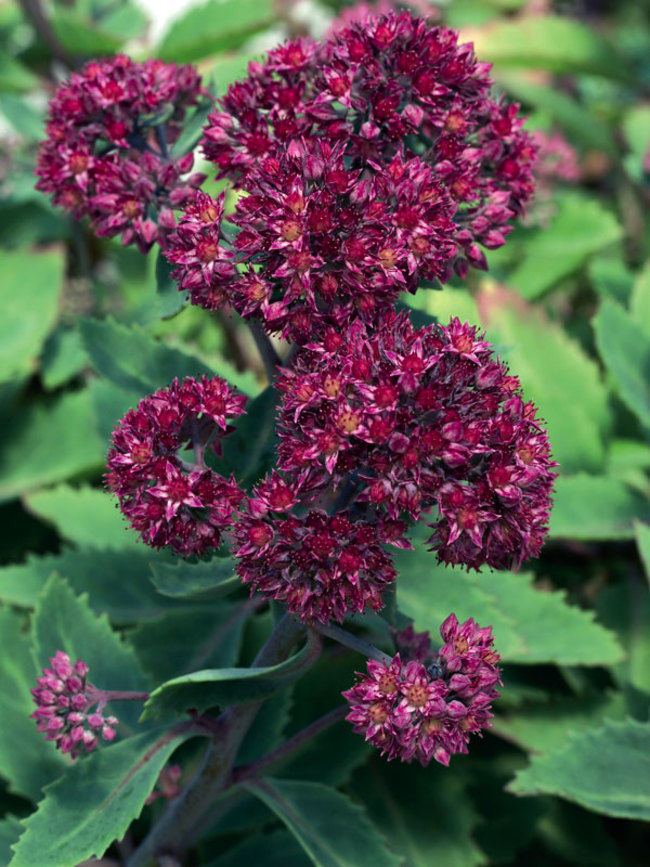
{"x":626,"y":608}
{"x":625,"y":349}
{"x":425,"y":813}
{"x":277,"y":849}
{"x":95,"y":802}
{"x":249,"y":452}
{"x":640,"y":300}
{"x":332,"y":830}
{"x":63,"y":357}
{"x":642,"y":534}
{"x":529,"y":625}
{"x":588,"y":770}
{"x":170,"y":300}
{"x":14,"y":76}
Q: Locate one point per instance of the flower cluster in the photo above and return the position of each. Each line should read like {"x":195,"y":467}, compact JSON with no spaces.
{"x":372,"y":161}
{"x":169,"y":500}
{"x":414,"y":710}
{"x":107,"y":152}
{"x":65,"y":703}
{"x":420,"y":418}
{"x":321,"y":244}
{"x":320,"y":566}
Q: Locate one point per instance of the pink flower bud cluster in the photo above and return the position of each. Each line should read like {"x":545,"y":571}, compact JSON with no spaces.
{"x":372,"y":161}
{"x":65,"y":703}
{"x":320,"y":243}
{"x":321,"y":566}
{"x":422,"y":418}
{"x":107,"y":153}
{"x":413,"y":710}
{"x":168,"y":499}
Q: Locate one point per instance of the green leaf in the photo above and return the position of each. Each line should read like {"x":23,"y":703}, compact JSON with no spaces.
{"x":541,"y":728}
{"x":85,"y":516}
{"x":561,"y":45}
{"x":63,"y":621}
{"x":229,"y":68}
{"x":132,"y":360}
{"x":224,"y":686}
{"x":206,"y":30}
{"x":10,"y":831}
{"x":63,"y":357}
{"x":556,"y":374}
{"x":266,"y":731}
{"x":580,"y":228}
{"x":14,"y":76}
{"x":595,"y":507}
{"x":118,"y":581}
{"x":642,"y":534}
{"x":171,"y":301}
{"x":81,"y":37}
{"x":607,"y":770}
{"x":610,"y":276}
{"x":277,"y":849}
{"x":95,"y":802}
{"x":26,"y":121}
{"x":333,"y":830}
{"x":164,"y":651}
{"x":625,"y":349}
{"x":46,"y":444}
{"x":425,"y":813}
{"x":636,"y":126}
{"x":529,"y":625}
{"x":580,"y":123}
{"x":640,"y":300}
{"x":249,"y":452}
{"x":191,"y":135}
{"x":626,"y":608}
{"x":29,"y":294}
{"x":27,"y":760}
{"x":181,"y":579}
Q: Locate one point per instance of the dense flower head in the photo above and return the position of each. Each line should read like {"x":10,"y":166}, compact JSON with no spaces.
{"x":383,"y":84}
{"x":69,"y":709}
{"x":416,"y":419}
{"x":170,"y":500}
{"x":107,"y":153}
{"x":320,"y":566}
{"x":423,"y":710}
{"x":319,"y":243}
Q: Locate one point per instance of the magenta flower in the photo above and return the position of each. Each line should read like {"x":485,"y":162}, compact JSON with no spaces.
{"x":368,"y":91}
{"x":414,"y":710}
{"x":69,"y":709}
{"x":320,"y":566}
{"x":107,"y":153}
{"x":421,"y":419}
{"x":169,"y":500}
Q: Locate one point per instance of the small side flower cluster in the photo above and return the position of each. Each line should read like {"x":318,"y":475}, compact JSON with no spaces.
{"x":320,"y":566}
{"x":372,"y":161}
{"x":417,"y":418}
{"x":167,"y":499}
{"x":428,"y":710}
{"x":107,"y":153}
{"x":65,"y":703}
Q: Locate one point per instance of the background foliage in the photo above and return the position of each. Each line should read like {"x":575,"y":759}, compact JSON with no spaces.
{"x":88,"y":328}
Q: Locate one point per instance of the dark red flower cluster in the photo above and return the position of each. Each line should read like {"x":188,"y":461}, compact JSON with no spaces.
{"x":320,"y":566}
{"x":169,"y":500}
{"x":412,"y":710}
{"x":321,"y":244}
{"x":65,"y":703}
{"x":421,"y":418}
{"x":107,"y":153}
{"x":378,"y":152}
